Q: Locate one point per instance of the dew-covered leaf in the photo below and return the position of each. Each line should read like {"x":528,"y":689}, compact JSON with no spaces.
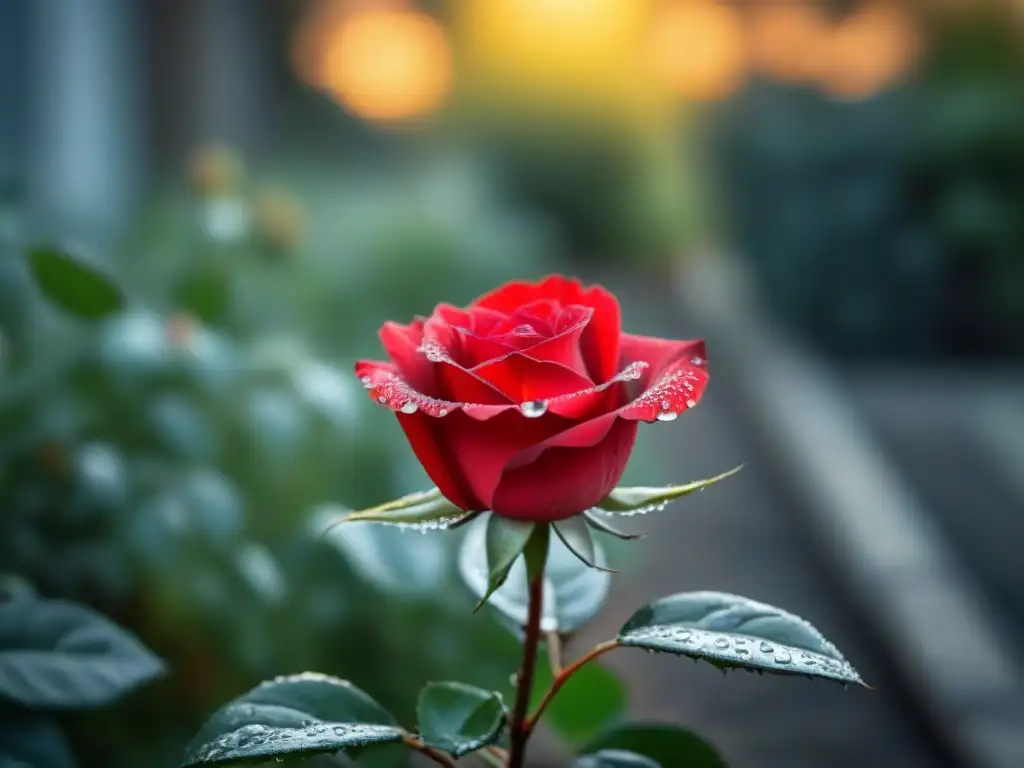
{"x":573,"y":592}
{"x":56,"y":655}
{"x":641,"y":500}
{"x":616,"y":758}
{"x":665,"y":744}
{"x":427,"y":510}
{"x":292,"y":717}
{"x":33,"y":741}
{"x":459,"y":718}
{"x":735,"y":632}
{"x":72,"y":285}
{"x":504,"y":541}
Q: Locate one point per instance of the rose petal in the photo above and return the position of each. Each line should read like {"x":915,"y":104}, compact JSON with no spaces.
{"x":678,"y":388}
{"x":598,"y":399}
{"x":523,"y":379}
{"x":425,"y":436}
{"x":660,"y":353}
{"x":386,"y":386}
{"x":401,"y":343}
{"x":456,"y":383}
{"x":572,"y":473}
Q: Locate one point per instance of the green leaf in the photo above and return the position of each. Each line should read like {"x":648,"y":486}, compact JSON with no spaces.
{"x":573,"y":592}
{"x":736,"y":632}
{"x":575,"y":534}
{"x":459,"y":718}
{"x":535,"y":554}
{"x":33,"y":741}
{"x":617,"y":758}
{"x":292,"y":717}
{"x":665,"y":744}
{"x":56,"y":655}
{"x":505,"y":541}
{"x":74,"y":286}
{"x":427,"y":510}
{"x":590,"y":701}
{"x":640,"y":500}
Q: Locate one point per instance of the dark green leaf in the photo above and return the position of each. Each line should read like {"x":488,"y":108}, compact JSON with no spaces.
{"x":616,"y":758}
{"x":33,"y":741}
{"x":573,"y":592}
{"x":56,"y":655}
{"x":535,"y":554}
{"x":736,"y":632}
{"x":591,"y":701}
{"x":74,"y":286}
{"x":505,"y":541}
{"x":640,"y":501}
{"x":458,"y":718}
{"x":292,"y":717}
{"x":428,"y":510}
{"x":665,"y":744}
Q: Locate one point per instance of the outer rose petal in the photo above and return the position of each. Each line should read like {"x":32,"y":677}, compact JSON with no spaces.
{"x":425,"y":435}
{"x":659,"y":354}
{"x":565,"y":481}
{"x":679,"y":388}
{"x":401,"y":343}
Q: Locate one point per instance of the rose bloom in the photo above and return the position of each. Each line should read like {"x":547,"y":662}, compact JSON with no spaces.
{"x":527,"y":401}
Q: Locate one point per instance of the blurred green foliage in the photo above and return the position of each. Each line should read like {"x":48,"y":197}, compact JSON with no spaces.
{"x":178,"y":474}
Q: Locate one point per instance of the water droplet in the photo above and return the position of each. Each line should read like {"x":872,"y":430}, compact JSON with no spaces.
{"x":766,"y":648}
{"x":783,"y":657}
{"x":382,"y":400}
{"x":443,"y":412}
{"x":667,"y":416}
{"x":524,"y":330}
{"x":366,"y":381}
{"x":665,"y":405}
{"x":740,"y":641}
{"x":534,"y":409}
{"x":691,"y":403}
{"x":409,"y":407}
{"x":743,"y":652}
{"x":721,"y":643}
{"x":698,"y":361}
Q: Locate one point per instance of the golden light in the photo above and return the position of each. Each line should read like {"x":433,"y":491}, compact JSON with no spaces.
{"x":789,"y":40}
{"x":870,"y":50}
{"x":697,"y":49}
{"x":555,"y":51}
{"x":385,"y":64}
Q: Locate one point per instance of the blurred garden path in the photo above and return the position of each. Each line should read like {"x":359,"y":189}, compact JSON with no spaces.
{"x":742,"y":536}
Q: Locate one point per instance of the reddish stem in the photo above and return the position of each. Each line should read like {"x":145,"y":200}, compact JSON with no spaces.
{"x":562,"y":677}
{"x":519,"y":727}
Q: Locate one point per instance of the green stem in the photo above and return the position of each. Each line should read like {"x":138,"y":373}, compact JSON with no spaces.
{"x":519,"y":728}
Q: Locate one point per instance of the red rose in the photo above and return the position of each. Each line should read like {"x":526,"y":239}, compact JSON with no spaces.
{"x":527,"y":402}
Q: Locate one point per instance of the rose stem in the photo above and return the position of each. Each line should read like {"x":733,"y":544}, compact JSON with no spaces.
{"x":563,"y":676}
{"x":415,"y":742}
{"x":519,"y":729}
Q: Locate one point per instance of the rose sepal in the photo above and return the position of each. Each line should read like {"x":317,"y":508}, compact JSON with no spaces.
{"x":425,"y":510}
{"x":640,"y":500}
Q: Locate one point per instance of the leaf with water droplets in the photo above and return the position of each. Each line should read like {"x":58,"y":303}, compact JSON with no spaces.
{"x":505,"y":541}
{"x":427,"y":510}
{"x":459,"y":718}
{"x":575,"y":534}
{"x":640,"y":500}
{"x":614,"y":758}
{"x":598,"y":523}
{"x":735,"y":632}
{"x":573,"y":592}
{"x":292,"y":717}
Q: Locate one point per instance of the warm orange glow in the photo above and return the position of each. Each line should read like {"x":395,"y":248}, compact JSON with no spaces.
{"x":697,"y":48}
{"x":789,"y":40}
{"x":870,"y":50}
{"x":385,"y":64}
{"x":555,"y":51}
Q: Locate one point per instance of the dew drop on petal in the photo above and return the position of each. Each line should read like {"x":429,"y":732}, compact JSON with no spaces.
{"x":382,"y":400}
{"x":524,"y":330}
{"x":697,"y":361}
{"x":691,"y":403}
{"x":667,"y":416}
{"x":443,"y":412}
{"x":409,"y":406}
{"x":534,"y":409}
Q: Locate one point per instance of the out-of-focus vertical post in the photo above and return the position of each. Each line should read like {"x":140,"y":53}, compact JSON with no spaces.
{"x":14,"y":91}
{"x":86,"y":149}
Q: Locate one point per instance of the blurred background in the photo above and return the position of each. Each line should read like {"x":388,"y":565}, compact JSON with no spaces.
{"x":272,"y":180}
